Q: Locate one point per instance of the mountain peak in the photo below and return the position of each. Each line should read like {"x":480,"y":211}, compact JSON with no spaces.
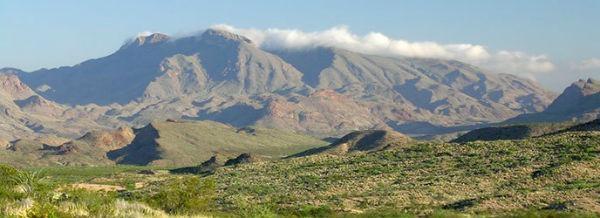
{"x":585,"y":87}
{"x":152,"y":39}
{"x":10,"y":70}
{"x":219,"y":35}
{"x":11,"y":85}
{"x":579,"y":98}
{"x":147,"y":39}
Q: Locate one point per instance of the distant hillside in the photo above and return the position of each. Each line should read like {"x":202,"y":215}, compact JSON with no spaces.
{"x":511,"y":132}
{"x":593,"y":125}
{"x":26,"y":114}
{"x":169,"y":143}
{"x":580,"y":101}
{"x":514,"y":132}
{"x":30,"y":153}
{"x":87,"y":150}
{"x":189,"y":143}
{"x":361,"y":141}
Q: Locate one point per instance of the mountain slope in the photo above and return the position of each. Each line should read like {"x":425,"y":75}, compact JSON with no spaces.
{"x":186,"y":143}
{"x":412,"y":90}
{"x":231,"y":63}
{"x":378,"y":92}
{"x":580,"y":101}
{"x":25,"y":114}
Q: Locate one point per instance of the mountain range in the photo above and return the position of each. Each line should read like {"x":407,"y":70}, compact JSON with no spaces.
{"x":225,"y":77}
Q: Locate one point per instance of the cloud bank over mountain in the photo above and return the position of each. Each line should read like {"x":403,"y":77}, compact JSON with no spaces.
{"x":588,"y":64}
{"x":514,"y":62}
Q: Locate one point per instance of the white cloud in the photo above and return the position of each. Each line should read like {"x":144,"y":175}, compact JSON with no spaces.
{"x":518,"y":63}
{"x":513,"y":62}
{"x":588,"y":64}
{"x":144,"y":34}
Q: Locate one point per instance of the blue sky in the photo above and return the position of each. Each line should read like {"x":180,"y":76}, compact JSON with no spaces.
{"x":36,"y":34}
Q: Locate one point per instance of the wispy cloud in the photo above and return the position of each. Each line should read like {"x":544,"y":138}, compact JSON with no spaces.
{"x":144,"y":33}
{"x":588,"y":64}
{"x":514,"y":62}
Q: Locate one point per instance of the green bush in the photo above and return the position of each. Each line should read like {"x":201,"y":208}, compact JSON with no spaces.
{"x":190,"y":195}
{"x":548,"y":214}
{"x":315,"y":211}
{"x":6,"y":173}
{"x":253,"y":210}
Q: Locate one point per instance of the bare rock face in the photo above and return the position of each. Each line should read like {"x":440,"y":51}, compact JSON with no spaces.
{"x":109,"y":140}
{"x":324,"y":112}
{"x":52,"y":140}
{"x":38,"y":105}
{"x":4,"y":143}
{"x":12,"y":87}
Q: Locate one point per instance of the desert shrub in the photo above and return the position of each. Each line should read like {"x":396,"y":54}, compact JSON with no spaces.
{"x":314,"y":211}
{"x":548,"y":214}
{"x":17,"y":208}
{"x":91,"y":201}
{"x":448,"y":214}
{"x":6,"y":172}
{"x":7,"y":192}
{"x":29,"y":183}
{"x":379,"y":213}
{"x":189,"y":195}
{"x":244,"y":208}
{"x":135,"y":209}
{"x":45,"y":209}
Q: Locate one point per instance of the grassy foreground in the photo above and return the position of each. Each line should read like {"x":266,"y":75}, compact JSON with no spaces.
{"x":551,"y":176}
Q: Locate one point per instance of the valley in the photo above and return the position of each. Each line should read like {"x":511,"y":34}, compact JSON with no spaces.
{"x":550,"y":175}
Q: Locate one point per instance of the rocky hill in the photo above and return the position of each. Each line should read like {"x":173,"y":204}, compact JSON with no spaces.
{"x":361,"y":141}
